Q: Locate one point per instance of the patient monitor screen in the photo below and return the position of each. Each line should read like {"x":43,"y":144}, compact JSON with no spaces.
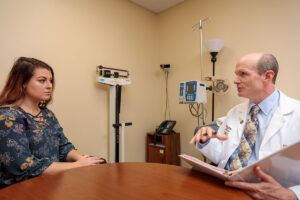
{"x":190,"y":89}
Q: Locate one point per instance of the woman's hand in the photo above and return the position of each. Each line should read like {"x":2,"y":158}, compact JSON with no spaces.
{"x":81,"y":161}
{"x":88,"y":160}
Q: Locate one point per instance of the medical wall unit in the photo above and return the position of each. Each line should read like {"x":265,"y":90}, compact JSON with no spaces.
{"x":192,"y":92}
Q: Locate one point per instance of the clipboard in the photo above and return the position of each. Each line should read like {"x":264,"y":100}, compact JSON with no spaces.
{"x":283,"y":165}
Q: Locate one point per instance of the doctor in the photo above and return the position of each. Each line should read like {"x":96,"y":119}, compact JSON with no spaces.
{"x":252,"y":130}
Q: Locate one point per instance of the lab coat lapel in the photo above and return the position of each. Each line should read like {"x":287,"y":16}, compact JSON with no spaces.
{"x":278,"y":119}
{"x":276,"y":123}
{"x":242,"y":117}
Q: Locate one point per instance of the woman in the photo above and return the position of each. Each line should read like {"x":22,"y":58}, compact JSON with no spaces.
{"x":31,"y":140}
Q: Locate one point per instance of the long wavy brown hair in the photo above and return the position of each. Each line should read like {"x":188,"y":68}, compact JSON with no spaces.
{"x":21,"y":72}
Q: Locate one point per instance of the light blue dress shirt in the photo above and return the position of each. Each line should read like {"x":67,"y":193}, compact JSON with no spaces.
{"x":267,"y":109}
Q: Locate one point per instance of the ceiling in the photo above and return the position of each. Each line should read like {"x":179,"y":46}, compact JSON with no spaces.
{"x":156,"y":6}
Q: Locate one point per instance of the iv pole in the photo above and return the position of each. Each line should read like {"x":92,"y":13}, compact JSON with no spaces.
{"x":201,"y":57}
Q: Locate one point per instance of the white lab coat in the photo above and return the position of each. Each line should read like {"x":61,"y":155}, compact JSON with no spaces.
{"x":284,"y":129}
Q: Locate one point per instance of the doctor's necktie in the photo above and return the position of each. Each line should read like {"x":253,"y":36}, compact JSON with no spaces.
{"x":241,"y":155}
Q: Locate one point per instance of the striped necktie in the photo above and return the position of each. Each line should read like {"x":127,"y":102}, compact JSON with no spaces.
{"x":241,"y":155}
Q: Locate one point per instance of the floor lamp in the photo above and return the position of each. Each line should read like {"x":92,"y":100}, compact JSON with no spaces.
{"x":214,"y":47}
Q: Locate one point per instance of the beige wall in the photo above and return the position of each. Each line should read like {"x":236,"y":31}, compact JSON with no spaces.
{"x":74,"y":36}
{"x":246,"y":26}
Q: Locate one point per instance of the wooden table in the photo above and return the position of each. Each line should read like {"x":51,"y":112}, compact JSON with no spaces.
{"x":123,"y":181}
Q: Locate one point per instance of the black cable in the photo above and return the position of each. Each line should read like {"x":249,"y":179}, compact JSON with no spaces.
{"x":195,"y":111}
{"x":166,"y":76}
{"x":167,"y":96}
{"x":198,"y":118}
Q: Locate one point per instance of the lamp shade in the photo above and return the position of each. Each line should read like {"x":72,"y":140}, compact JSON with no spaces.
{"x":214,"y":45}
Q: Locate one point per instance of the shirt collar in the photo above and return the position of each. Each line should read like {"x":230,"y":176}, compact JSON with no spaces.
{"x":268,"y":103}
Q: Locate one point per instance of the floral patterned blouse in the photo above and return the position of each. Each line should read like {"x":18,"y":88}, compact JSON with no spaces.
{"x":28,"y":147}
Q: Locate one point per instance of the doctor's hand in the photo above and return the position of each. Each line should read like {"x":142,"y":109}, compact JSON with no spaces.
{"x":204,"y":133}
{"x":268,"y":188}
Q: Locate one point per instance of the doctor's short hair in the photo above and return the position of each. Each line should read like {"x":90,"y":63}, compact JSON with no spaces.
{"x":268,"y":62}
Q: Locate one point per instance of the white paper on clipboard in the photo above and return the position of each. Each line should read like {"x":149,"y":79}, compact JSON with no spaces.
{"x":282,"y":165}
